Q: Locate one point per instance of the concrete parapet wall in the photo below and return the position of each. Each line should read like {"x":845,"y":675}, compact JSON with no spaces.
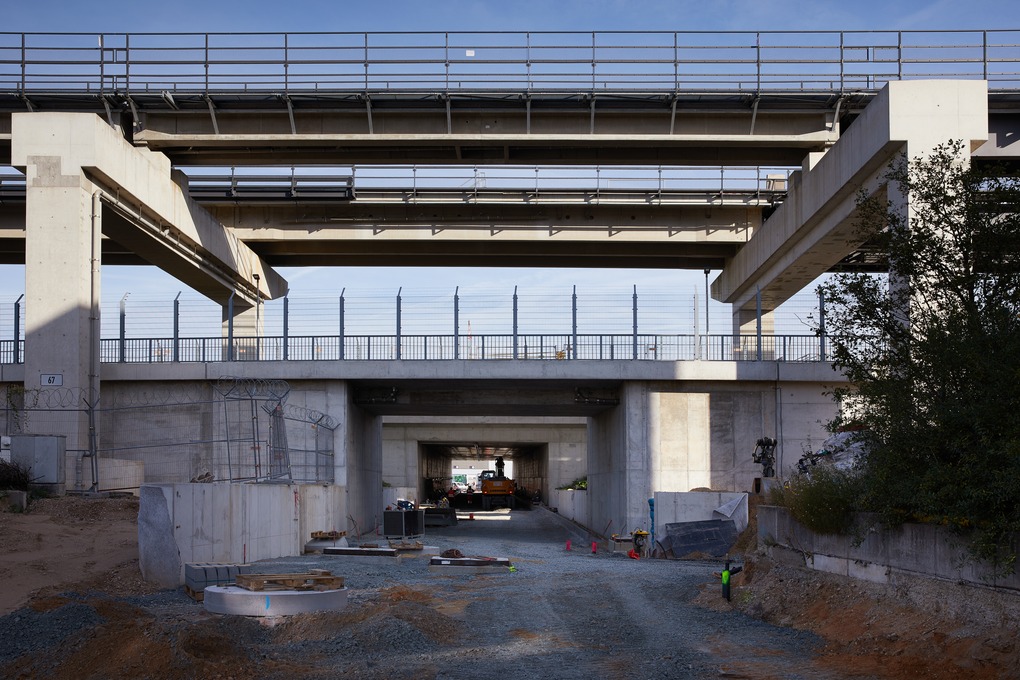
{"x":882,"y":556}
{"x":571,"y":504}
{"x":231,"y":523}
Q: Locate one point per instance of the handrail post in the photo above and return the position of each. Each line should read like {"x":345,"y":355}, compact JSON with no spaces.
{"x":573,"y":342}
{"x":635,"y":329}
{"x":17,"y":329}
{"x":177,"y":327}
{"x":515,"y":323}
{"x":456,"y":323}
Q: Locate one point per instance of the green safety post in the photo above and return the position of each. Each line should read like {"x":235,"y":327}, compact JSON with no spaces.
{"x":726,"y":581}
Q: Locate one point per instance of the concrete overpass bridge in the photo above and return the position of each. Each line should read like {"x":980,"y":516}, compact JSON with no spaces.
{"x":125,"y":143}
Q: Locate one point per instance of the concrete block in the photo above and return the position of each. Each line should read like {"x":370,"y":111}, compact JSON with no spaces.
{"x":158,"y":555}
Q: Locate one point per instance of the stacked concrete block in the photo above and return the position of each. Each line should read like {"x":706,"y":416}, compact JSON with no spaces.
{"x":199,"y":575}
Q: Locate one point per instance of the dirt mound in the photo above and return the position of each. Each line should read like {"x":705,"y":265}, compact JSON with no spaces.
{"x":917,"y":629}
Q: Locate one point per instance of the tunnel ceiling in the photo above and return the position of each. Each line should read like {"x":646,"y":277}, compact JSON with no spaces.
{"x":478,"y":450}
{"x":484,"y":398}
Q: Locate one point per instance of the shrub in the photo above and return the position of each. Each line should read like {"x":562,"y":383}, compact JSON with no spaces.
{"x":14,"y":476}
{"x":825,"y":502}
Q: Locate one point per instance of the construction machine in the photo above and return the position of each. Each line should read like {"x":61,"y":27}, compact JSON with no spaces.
{"x":497,"y":489}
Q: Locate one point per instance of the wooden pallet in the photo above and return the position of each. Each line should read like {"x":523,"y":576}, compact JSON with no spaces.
{"x":317,"y":579}
{"x":328,"y":535}
{"x":196,"y":595}
{"x":406,"y":545}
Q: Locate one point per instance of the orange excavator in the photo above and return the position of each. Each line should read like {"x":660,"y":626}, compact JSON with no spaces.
{"x":497,"y":488}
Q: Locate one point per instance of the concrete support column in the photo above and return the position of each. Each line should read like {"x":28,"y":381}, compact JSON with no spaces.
{"x":62,"y":273}
{"x":248,"y":320}
{"x":745,"y":321}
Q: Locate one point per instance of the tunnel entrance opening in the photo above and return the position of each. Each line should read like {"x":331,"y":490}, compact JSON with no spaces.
{"x":455,"y":471}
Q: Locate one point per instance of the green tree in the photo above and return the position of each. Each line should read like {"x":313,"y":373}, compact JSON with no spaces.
{"x":932,"y":350}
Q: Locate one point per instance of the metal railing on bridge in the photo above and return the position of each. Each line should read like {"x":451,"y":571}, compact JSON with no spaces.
{"x":757,"y":61}
{"x":551,"y":324}
{"x":791,"y":348}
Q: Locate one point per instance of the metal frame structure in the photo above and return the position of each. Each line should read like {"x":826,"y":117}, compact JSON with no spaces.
{"x":166,"y":65}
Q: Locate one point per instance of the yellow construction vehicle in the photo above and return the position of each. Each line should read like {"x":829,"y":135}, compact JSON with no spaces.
{"x":497,"y":489}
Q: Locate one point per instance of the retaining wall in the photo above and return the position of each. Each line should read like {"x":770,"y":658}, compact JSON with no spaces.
{"x":881,"y":556}
{"x":230,"y":523}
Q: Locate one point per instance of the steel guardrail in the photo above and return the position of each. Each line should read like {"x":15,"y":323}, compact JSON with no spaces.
{"x":602,"y":61}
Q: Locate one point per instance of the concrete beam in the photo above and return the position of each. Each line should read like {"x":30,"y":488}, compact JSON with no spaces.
{"x":153,"y":214}
{"x":814,"y":228}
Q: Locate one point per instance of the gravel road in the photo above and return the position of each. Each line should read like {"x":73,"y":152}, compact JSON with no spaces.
{"x":559,"y":614}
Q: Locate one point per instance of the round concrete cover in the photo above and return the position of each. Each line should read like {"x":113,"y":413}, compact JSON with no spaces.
{"x":243,"y":602}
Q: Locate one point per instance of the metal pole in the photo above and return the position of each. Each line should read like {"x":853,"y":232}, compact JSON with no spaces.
{"x":398,"y":322}
{"x":342,"y":323}
{"x":258,"y":319}
{"x":573,"y":341}
{"x":177,"y":327}
{"x":123,"y":325}
{"x":635,"y":323}
{"x":821,"y":325}
{"x":456,"y":323}
{"x":515,"y":322}
{"x":286,"y":329}
{"x":697,"y":330}
{"x":230,"y":327}
{"x":707,"y":272}
{"x":17,"y":329}
{"x":757,"y":302}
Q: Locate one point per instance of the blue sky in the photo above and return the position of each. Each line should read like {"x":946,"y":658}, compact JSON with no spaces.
{"x":477,"y":15}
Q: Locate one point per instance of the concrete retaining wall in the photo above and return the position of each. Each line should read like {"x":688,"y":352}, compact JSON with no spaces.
{"x":882,"y":556}
{"x":234,"y":523}
{"x":571,"y":504}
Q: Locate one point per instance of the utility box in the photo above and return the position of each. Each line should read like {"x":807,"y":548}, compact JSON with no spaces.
{"x":44,"y":456}
{"x":403,"y":523}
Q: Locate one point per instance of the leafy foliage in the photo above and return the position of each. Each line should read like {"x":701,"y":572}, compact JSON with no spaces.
{"x":933,"y":350}
{"x":579,"y":484}
{"x":825,"y":501}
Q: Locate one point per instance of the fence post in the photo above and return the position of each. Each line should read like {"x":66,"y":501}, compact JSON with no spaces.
{"x":230,"y":327}
{"x":17,"y":329}
{"x":821,"y":325}
{"x":757,"y":314}
{"x":286,"y":332}
{"x":123,"y":325}
{"x":342,"y":343}
{"x":634,"y":311}
{"x":398,"y":322}
{"x":573,"y":341}
{"x":456,"y":323}
{"x":177,"y":327}
{"x":515,"y":322}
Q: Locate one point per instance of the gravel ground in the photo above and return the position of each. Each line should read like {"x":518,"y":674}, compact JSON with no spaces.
{"x":559,"y":614}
